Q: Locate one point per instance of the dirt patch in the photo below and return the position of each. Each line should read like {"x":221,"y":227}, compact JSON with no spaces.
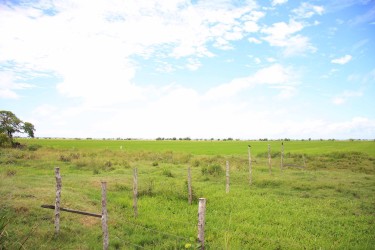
{"x":89,"y":221}
{"x":21,"y":210}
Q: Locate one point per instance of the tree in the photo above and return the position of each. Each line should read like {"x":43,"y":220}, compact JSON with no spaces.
{"x":29,"y":129}
{"x":10,"y":124}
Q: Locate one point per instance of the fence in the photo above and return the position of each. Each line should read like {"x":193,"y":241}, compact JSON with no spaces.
{"x":104,"y":214}
{"x":201,"y":205}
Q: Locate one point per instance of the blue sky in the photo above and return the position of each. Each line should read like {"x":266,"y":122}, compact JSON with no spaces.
{"x":199,"y":69}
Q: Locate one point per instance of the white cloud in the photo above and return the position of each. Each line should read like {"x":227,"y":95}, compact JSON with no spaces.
{"x":275,"y":76}
{"x":330,"y":73}
{"x":45,"y":110}
{"x":254,"y":16}
{"x":279,"y":32}
{"x":344,"y":96}
{"x":298,"y":45}
{"x":89,"y":44}
{"x":193,"y":64}
{"x":276,"y":2}
{"x":342,"y":60}
{"x":356,"y":127}
{"x":9,"y":84}
{"x":283,"y":35}
{"x":338,"y":100}
{"x":307,"y":10}
{"x":165,"y":67}
{"x":271,"y":59}
{"x":251,"y":26}
{"x":254,"y":40}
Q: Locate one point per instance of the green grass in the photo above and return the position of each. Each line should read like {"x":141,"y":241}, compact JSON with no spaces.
{"x":209,"y":147}
{"x":328,"y":205}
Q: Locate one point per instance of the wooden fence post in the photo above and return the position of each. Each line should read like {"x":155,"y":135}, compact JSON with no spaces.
{"x":135,"y":192}
{"x":269,"y":158}
{"x":227,"y":177}
{"x":201,"y":221}
{"x":58,"y":200}
{"x":104,"y":216}
{"x":189,"y":187}
{"x":250,"y":167}
{"x":282,"y":156}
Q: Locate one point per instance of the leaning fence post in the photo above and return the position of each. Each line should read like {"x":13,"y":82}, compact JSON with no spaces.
{"x":189,"y":187}
{"x":135,"y":192}
{"x":227,"y":177}
{"x":104,"y":216}
{"x":57,"y":202}
{"x":201,"y":221}
{"x":269,"y":157}
{"x":250,"y":167}
{"x":282,"y":156}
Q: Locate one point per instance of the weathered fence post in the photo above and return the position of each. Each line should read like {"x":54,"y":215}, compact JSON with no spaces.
{"x":269,"y":158}
{"x":189,"y":187}
{"x":250,"y":167}
{"x":282,"y":156}
{"x":135,"y":192}
{"x":201,"y":221}
{"x":104,"y":216}
{"x":57,"y":202}
{"x":227,"y":177}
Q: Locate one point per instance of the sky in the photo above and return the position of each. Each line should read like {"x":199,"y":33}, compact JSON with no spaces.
{"x":199,"y":68}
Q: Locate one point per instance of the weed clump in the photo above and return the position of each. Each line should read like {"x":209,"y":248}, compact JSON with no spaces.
{"x":34,"y":147}
{"x":149,"y":190}
{"x":69,"y":157}
{"x":195,"y":163}
{"x":354,"y":161}
{"x":108,"y":166}
{"x":214,"y":170}
{"x":11,"y":172}
{"x":168,"y":173}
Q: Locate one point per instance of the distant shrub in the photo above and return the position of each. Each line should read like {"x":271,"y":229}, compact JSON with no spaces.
{"x":155,"y":164}
{"x":75,"y":156}
{"x":65,"y":158}
{"x":149,"y":190}
{"x":81,"y":163}
{"x":126,"y":164}
{"x":34,"y":147}
{"x":214,"y":170}
{"x":167,"y":173}
{"x":4,"y":140}
{"x":108,"y":166}
{"x":195,"y":163}
{"x":69,"y":157}
{"x":11,"y":172}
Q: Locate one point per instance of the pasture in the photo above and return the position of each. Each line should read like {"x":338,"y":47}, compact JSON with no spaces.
{"x":329,"y":204}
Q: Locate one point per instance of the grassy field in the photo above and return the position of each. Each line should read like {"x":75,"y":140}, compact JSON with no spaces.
{"x":210,"y":147}
{"x":330,"y":204}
